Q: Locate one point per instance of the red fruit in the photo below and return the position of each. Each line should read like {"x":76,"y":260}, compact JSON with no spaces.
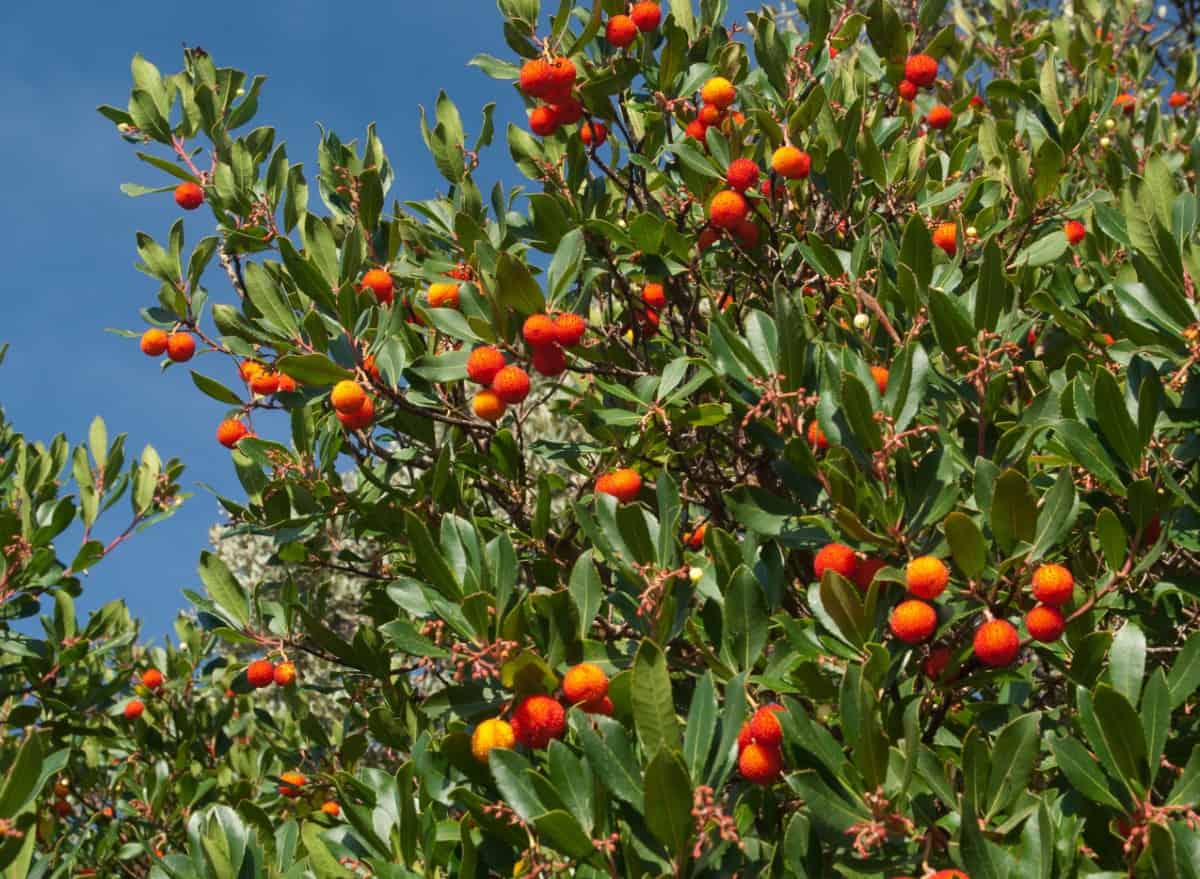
{"x":881,"y":378}
{"x":133,"y":709}
{"x":347,"y":396}
{"x":549,"y":360}
{"x":483,"y":364}
{"x":696,"y":130}
{"x":539,"y":330}
{"x":600,"y":706}
{"x":1177,"y":100}
{"x":511,"y":384}
{"x":1075,"y":232}
{"x":1127,"y":103}
{"x":154,"y":342}
{"x":709,"y":115}
{"x":291,"y":783}
{"x":1053,"y":585}
{"x":745,"y":737}
{"x":360,"y":420}
{"x":265,"y":383}
{"x":921,"y":70}
{"x":865,"y":573}
{"x":760,"y":764}
{"x":747,"y":234}
{"x":585,"y":682}
{"x":835,"y":557}
{"x":568,"y":112}
{"x":285,"y":674}
{"x":537,"y":720}
{"x":593,"y":133}
{"x":443,"y":295}
{"x":230,"y":432}
{"x":287,"y":384}
{"x":791,"y":163}
{"x":330,"y":808}
{"x":913,"y":621}
{"x":939,"y":117}
{"x":569,"y":329}
{"x":180,"y":347}
{"x":949,"y":874}
{"x":648,"y":318}
{"x":945,"y":236}
{"x":742,"y":174}
{"x":694,"y":539}
{"x":379,"y":282}
{"x":260,"y":673}
{"x":935,"y":663}
{"x":543,"y":121}
{"x":535,"y":78}
{"x":997,"y":643}
{"x":977,"y":103}
{"x":906,"y":90}
{"x":728,"y":208}
{"x":560,"y":73}
{"x":152,"y":678}
{"x":833,"y":52}
{"x":708,"y":237}
{"x":1045,"y":623}
{"x":765,"y":727}
{"x":654,"y":296}
{"x":816,"y":437}
{"x":646,"y":15}
{"x":488,"y":406}
{"x":624,"y":484}
{"x":189,"y":196}
{"x":620,"y":31}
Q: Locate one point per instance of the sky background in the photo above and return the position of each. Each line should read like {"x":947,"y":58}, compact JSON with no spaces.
{"x":67,"y":231}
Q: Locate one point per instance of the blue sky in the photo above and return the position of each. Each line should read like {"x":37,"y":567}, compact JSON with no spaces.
{"x":67,"y":232}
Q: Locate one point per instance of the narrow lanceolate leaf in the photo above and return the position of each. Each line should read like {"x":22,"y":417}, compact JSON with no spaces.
{"x":653,"y":703}
{"x":224,"y":589}
{"x":967,"y":544}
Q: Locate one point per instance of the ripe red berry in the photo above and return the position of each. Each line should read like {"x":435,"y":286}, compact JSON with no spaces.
{"x":921,"y":70}
{"x":180,"y":347}
{"x":742,"y":174}
{"x":152,"y":678}
{"x":511,"y":384}
{"x":816,"y":437}
{"x":487,"y":406}
{"x":539,"y":329}
{"x":379,"y":282}
{"x":538,"y":720}
{"x":230,"y":432}
{"x":913,"y":621}
{"x":543,"y":121}
{"x":997,"y":643}
{"x":620,"y":31}
{"x":791,"y":163}
{"x":549,"y":360}
{"x":133,"y":709}
{"x":569,"y":328}
{"x":760,"y":764}
{"x":585,"y":682}
{"x":654,"y":296}
{"x":483,"y":364}
{"x":189,"y":196}
{"x":835,"y":557}
{"x":260,"y":673}
{"x":765,"y":727}
{"x":906,"y":90}
{"x":696,"y":130}
{"x":154,"y":342}
{"x":1075,"y":232}
{"x":1053,"y":585}
{"x":360,"y":420}
{"x":939,"y":117}
{"x":647,"y":15}
{"x":1045,"y":623}
{"x":624,"y":484}
{"x":945,"y":236}
{"x":926,"y":576}
{"x":568,"y":112}
{"x":728,"y":208}
{"x":285,"y":674}
{"x":1177,"y":100}
{"x":593,"y":133}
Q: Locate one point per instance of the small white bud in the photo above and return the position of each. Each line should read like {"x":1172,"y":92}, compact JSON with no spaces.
{"x":240,"y":92}
{"x":861,"y":321}
{"x":1105,"y":142}
{"x":695,"y":574}
{"x":972,"y":232}
{"x":1110,"y":124}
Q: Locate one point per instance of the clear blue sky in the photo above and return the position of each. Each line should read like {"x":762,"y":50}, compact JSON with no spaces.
{"x":67,"y":232}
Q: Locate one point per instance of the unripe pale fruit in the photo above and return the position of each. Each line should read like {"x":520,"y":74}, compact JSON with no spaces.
{"x":972,"y":232}
{"x":260,"y":673}
{"x":1045,"y":623}
{"x":189,"y":196}
{"x":835,"y":557}
{"x":913,"y":621}
{"x":1105,"y":142}
{"x":539,"y":329}
{"x":569,"y":328}
{"x":742,"y":174}
{"x":379,"y":283}
{"x":230,"y":432}
{"x":511,"y":384}
{"x":483,"y":364}
{"x":997,"y":643}
{"x":945,"y":236}
{"x":538,"y":720}
{"x":719,"y":92}
{"x":727,"y":209}
{"x":791,"y":162}
{"x":154,"y":342}
{"x":347,"y":396}
{"x":1053,"y":585}
{"x":765,"y":727}
{"x":491,"y":733}
{"x":180,"y":347}
{"x":1110,"y":124}
{"x":695,"y":575}
{"x":291,"y":783}
{"x":760,"y":764}
{"x":585,"y":682}
{"x":620,"y":31}
{"x":285,"y":674}
{"x":926,"y":577}
{"x":1075,"y":232}
{"x":861,"y":321}
{"x":624,"y":484}
{"x":488,"y":406}
{"x":133,"y":709}
{"x":152,"y":678}
{"x":443,"y":295}
{"x":647,"y":15}
{"x":921,"y":70}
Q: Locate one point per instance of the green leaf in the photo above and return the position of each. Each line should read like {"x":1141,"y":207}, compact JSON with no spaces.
{"x":1117,"y":723}
{"x":1115,"y":422}
{"x":967,"y":544}
{"x":1014,"y":510}
{"x":312,"y":369}
{"x":701,"y":726}
{"x":264,"y":295}
{"x":516,"y":289}
{"x":653,"y":702}
{"x":1127,"y":661}
{"x":1044,"y":250}
{"x":433,"y":566}
{"x":1113,"y":540}
{"x":992,"y":295}
{"x":215,"y":389}
{"x":745,"y":619}
{"x":563,"y":832}
{"x":610,"y":753}
{"x":1184,"y":678}
{"x":587,"y":591}
{"x":1156,"y":719}
{"x":669,"y":801}
{"x":1013,"y":759}
{"x":24,"y":777}
{"x":856,"y":406}
{"x":1057,"y":516}
{"x":951,"y":326}
{"x":843,"y":602}
{"x":224,"y":589}
{"x":1082,"y":771}
{"x":514,"y":777}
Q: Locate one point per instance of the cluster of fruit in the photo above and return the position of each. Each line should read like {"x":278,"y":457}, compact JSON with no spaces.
{"x":760,"y":746}
{"x":151,"y":680}
{"x":262,"y":673}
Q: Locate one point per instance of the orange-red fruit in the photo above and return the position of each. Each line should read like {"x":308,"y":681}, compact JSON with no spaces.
{"x":347,"y":396}
{"x":654,"y":295}
{"x":709,"y":115}
{"x":260,"y":673}
{"x":935,"y":663}
{"x":561,"y":79}
{"x":230,"y":432}
{"x":1126,"y":103}
{"x":745,"y":737}
{"x":483,"y":364}
{"x":549,"y":360}
{"x":537,"y":720}
{"x":534,"y":78}
{"x":694,"y":539}
{"x":152,"y":678}
{"x":286,"y":384}
{"x":835,"y":557}
{"x":330,"y":808}
{"x":488,"y":406}
{"x":708,"y":237}
{"x":1075,"y":231}
{"x":791,"y":162}
{"x":913,"y":621}
{"x":646,"y":15}
{"x":926,"y":576}
{"x":1053,"y":585}
{"x":816,"y":436}
{"x":133,"y":709}
{"x":728,"y":208}
{"x":600,"y":706}
{"x":180,"y":347}
{"x":379,"y":282}
{"x":881,"y":378}
{"x":921,"y":70}
{"x":945,"y":236}
{"x":443,"y":295}
{"x":747,"y":234}
{"x":864,"y":574}
{"x":265,"y":383}
{"x":568,"y":112}
{"x":569,"y":329}
{"x":997,"y":643}
{"x":285,"y":674}
{"x":696,"y":130}
{"x":939,"y":117}
{"x":511,"y":384}
{"x":765,"y":727}
{"x":620,"y":31}
{"x":624,"y":484}
{"x":977,"y":103}
{"x":593,"y":133}
{"x":585,"y":682}
{"x":1177,"y":100}
{"x":543,"y":121}
{"x":949,"y":874}
{"x":189,"y":196}
{"x":539,"y":330}
{"x":360,"y":420}
{"x":742,"y":174}
{"x":154,"y":342}
{"x":760,"y":764}
{"x":907,"y":90}
{"x":290,"y":784}
{"x":1045,"y":623}
{"x":719,"y":92}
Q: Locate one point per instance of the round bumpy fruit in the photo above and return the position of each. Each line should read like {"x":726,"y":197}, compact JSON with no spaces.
{"x":265,"y":383}
{"x":539,"y":330}
{"x":488,"y":406}
{"x":1075,"y":232}
{"x":654,"y":295}
{"x":379,"y":282}
{"x":538,"y":720}
{"x":260,"y":673}
{"x":727,"y":209}
{"x":330,"y":808}
{"x":939,"y":117}
{"x":881,"y":378}
{"x":1126,"y":103}
{"x":585,"y":682}
{"x":1177,"y":100}
{"x":997,"y":643}
{"x":549,"y":360}
{"x":921,"y":70}
{"x":718,"y":92}
{"x":1045,"y":623}
{"x":935,"y":663}
{"x":742,"y":174}
{"x":926,"y":576}
{"x":543,"y":121}
{"x":285,"y":384}
{"x":291,"y":783}
{"x":491,"y":733}
{"x":152,"y":678}
{"x":285,"y":674}
{"x":765,"y":727}
{"x":180,"y":347}
{"x":569,"y":112}
{"x":647,"y":15}
{"x":945,"y":236}
{"x":907,"y":90}
{"x":791,"y":162}
{"x":511,"y":384}
{"x":483,"y":364}
{"x":189,"y":196}
{"x":1053,"y":585}
{"x":230,"y":432}
{"x":569,"y":329}
{"x":624,"y":484}
{"x":603,"y":706}
{"x":154,"y":342}
{"x":696,"y":130}
{"x":347,"y":396}
{"x":443,"y":295}
{"x":949,"y":874}
{"x":913,"y":621}
{"x":620,"y":31}
{"x":747,"y":234}
{"x":593,"y":133}
{"x":760,"y":764}
{"x":816,"y":436}
{"x":561,"y":75}
{"x":360,"y":420}
{"x":134,"y":709}
{"x":835,"y":557}
{"x":694,"y":539}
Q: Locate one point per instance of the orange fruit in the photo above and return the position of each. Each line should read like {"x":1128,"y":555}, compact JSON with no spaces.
{"x":760,"y":764}
{"x":347,"y":397}
{"x":835,"y":557}
{"x":154,"y":342}
{"x":133,"y":709}
{"x":1053,"y":585}
{"x":152,"y":678}
{"x":260,"y":673}
{"x":742,"y":174}
{"x":189,"y":196}
{"x":585,"y":682}
{"x":791,"y":163}
{"x":483,"y":364}
{"x":511,"y":384}
{"x":1045,"y":623}
{"x":727,"y":209}
{"x":488,"y":406}
{"x":926,"y":576}
{"x":997,"y":643}
{"x":491,"y":733}
{"x":181,"y":347}
{"x":921,"y":70}
{"x":443,"y":295}
{"x":718,"y":92}
{"x":230,"y":432}
{"x":913,"y":621}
